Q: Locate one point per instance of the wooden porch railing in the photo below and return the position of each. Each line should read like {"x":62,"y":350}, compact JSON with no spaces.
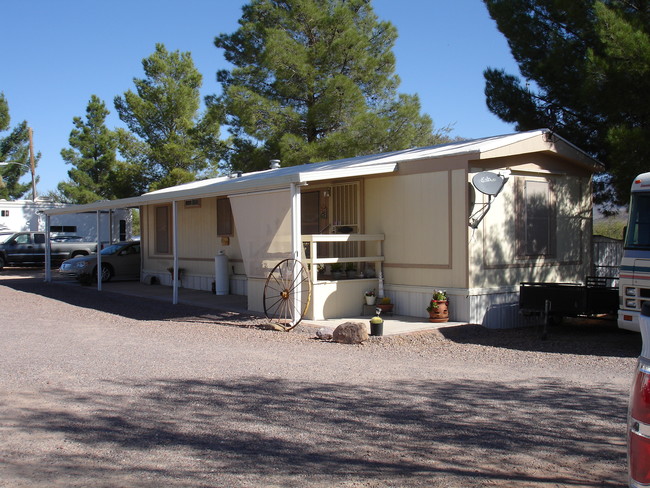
{"x":312,"y":241}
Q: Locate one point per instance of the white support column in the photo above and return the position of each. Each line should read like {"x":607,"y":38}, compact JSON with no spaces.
{"x":296,"y":244}
{"x":48,"y":251}
{"x":99,"y":254}
{"x":175,"y":251}
{"x":110,"y":225}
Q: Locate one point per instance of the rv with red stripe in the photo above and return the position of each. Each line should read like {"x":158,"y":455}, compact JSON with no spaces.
{"x":634,"y":283}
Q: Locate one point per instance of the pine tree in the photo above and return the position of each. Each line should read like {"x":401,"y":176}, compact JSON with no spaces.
{"x":315,"y":80}
{"x":15,"y":148}
{"x":92,"y":153}
{"x":169,"y":137}
{"x":4,"y":113}
{"x":585,"y":68}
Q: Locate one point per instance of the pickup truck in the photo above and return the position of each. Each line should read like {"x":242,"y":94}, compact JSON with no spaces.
{"x":28,"y":249}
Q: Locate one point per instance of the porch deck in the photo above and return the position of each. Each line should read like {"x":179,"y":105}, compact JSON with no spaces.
{"x":393,"y":324}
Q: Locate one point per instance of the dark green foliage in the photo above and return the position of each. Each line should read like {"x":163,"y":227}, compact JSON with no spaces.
{"x":314,"y":80}
{"x":169,"y":140}
{"x":14,"y":147}
{"x":585,"y":68}
{"x":92,"y":154}
{"x":4,"y":113}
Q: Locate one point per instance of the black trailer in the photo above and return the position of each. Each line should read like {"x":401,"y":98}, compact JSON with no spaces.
{"x":597,"y":297}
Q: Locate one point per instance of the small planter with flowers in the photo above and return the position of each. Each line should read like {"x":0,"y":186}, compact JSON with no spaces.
{"x":438,"y":307}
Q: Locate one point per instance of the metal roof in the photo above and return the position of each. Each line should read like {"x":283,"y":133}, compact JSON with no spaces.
{"x":285,"y":176}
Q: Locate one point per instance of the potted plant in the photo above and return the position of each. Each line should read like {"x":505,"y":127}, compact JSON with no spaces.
{"x":376,"y":326}
{"x":385,"y":305}
{"x":438,"y":306}
{"x":370,"y":297}
{"x":350,"y":271}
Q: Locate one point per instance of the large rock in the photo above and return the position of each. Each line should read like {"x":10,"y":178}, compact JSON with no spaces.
{"x":350,"y":333}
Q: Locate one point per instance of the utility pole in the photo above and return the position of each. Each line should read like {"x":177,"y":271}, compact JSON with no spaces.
{"x":31,"y":162}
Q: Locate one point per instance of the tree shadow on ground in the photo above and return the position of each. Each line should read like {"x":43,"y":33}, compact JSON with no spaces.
{"x":260,"y":431}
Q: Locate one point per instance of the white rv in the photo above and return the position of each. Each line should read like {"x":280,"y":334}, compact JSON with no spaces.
{"x":634,"y":283}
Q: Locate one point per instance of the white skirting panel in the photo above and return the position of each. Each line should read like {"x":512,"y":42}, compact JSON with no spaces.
{"x":496,"y":309}
{"x":492,"y":308}
{"x":238,"y":283}
{"x":413,"y":302}
{"x":196,"y":282}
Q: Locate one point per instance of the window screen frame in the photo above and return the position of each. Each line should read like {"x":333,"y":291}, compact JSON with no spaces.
{"x":162,"y":228}
{"x":225,"y":227}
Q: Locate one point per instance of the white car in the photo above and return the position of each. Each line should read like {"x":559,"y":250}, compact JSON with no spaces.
{"x":638,"y":434}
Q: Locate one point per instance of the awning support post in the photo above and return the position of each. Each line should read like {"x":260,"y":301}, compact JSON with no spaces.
{"x":99,"y":254}
{"x":296,"y":244}
{"x":110,"y":226}
{"x":175,"y":251}
{"x":48,"y":251}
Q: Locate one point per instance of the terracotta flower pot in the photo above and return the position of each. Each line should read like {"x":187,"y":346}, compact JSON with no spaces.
{"x":440,"y":313}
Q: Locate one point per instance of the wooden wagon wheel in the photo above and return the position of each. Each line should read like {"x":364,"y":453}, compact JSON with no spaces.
{"x":287,"y":293}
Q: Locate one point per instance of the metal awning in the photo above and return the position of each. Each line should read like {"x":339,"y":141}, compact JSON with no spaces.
{"x":276,"y":179}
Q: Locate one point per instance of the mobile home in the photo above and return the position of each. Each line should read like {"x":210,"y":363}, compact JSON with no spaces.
{"x":404,"y":223}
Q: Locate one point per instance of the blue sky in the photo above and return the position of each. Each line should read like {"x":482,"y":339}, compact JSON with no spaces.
{"x":57,"y":54}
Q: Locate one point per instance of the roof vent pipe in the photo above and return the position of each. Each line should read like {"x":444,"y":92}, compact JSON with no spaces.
{"x":275,"y":163}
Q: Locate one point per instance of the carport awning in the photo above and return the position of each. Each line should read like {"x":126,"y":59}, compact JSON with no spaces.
{"x":261,"y":181}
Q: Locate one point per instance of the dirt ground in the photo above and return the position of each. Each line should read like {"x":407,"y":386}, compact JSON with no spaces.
{"x":102,"y":390}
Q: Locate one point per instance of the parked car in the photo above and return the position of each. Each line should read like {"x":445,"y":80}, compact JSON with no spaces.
{"x":120,"y":260}
{"x":638,"y":433}
{"x":28,"y":249}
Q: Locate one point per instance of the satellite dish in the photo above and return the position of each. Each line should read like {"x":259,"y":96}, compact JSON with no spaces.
{"x":488,"y":182}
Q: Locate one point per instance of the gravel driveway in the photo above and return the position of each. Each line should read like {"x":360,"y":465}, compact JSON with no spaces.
{"x":105,"y":391}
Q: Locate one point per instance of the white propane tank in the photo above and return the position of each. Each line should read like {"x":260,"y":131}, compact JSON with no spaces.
{"x":221,"y":278}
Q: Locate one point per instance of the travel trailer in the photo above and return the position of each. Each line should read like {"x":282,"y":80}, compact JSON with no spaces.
{"x":26,"y":215}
